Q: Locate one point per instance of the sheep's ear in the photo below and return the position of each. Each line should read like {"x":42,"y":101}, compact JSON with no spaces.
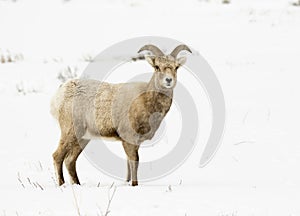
{"x":181,"y":60}
{"x":150,"y":60}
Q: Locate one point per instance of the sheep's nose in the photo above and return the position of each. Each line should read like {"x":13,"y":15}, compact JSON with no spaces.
{"x":169,"y":80}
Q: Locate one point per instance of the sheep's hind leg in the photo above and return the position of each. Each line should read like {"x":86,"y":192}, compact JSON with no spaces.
{"x":70,"y":160}
{"x":133,"y":158}
{"x":58,"y":158}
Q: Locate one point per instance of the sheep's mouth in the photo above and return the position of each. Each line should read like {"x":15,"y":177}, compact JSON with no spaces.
{"x":168,"y":85}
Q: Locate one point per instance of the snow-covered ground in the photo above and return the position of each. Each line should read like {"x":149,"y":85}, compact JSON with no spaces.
{"x":253,"y":47}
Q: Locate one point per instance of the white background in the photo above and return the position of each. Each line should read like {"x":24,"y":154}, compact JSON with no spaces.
{"x":253,"y":47}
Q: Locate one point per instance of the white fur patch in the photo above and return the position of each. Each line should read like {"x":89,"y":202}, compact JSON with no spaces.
{"x":90,"y":136}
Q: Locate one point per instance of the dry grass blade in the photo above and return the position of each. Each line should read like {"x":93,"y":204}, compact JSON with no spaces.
{"x":110,"y":198}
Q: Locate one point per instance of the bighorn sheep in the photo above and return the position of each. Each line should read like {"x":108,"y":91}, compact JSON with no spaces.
{"x":128,"y":112}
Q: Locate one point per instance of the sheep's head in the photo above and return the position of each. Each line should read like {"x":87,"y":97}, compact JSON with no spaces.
{"x":165,"y":66}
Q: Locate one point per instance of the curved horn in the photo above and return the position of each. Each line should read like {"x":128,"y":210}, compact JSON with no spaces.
{"x":178,"y":49}
{"x":154,"y":49}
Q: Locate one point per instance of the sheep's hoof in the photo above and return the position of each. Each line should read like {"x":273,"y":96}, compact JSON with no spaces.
{"x":134,"y":183}
{"x":75,"y":181}
{"x":60,"y":182}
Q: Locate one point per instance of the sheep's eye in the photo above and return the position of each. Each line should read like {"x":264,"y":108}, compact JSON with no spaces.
{"x":156,"y":67}
{"x":176,"y":68}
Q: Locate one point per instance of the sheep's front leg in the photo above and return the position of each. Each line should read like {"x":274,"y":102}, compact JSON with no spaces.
{"x":128,"y":178}
{"x":133,"y":161}
{"x":134,"y":164}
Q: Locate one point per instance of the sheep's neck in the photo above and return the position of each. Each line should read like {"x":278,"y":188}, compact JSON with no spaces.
{"x":158,"y":100}
{"x":148,"y":110}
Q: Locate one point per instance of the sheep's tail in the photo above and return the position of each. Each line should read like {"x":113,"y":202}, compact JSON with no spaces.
{"x":56,"y":102}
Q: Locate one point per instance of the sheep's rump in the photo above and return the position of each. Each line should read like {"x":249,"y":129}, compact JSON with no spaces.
{"x":56,"y":100}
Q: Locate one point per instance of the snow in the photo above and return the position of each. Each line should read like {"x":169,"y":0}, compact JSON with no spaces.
{"x":253,"y":47}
